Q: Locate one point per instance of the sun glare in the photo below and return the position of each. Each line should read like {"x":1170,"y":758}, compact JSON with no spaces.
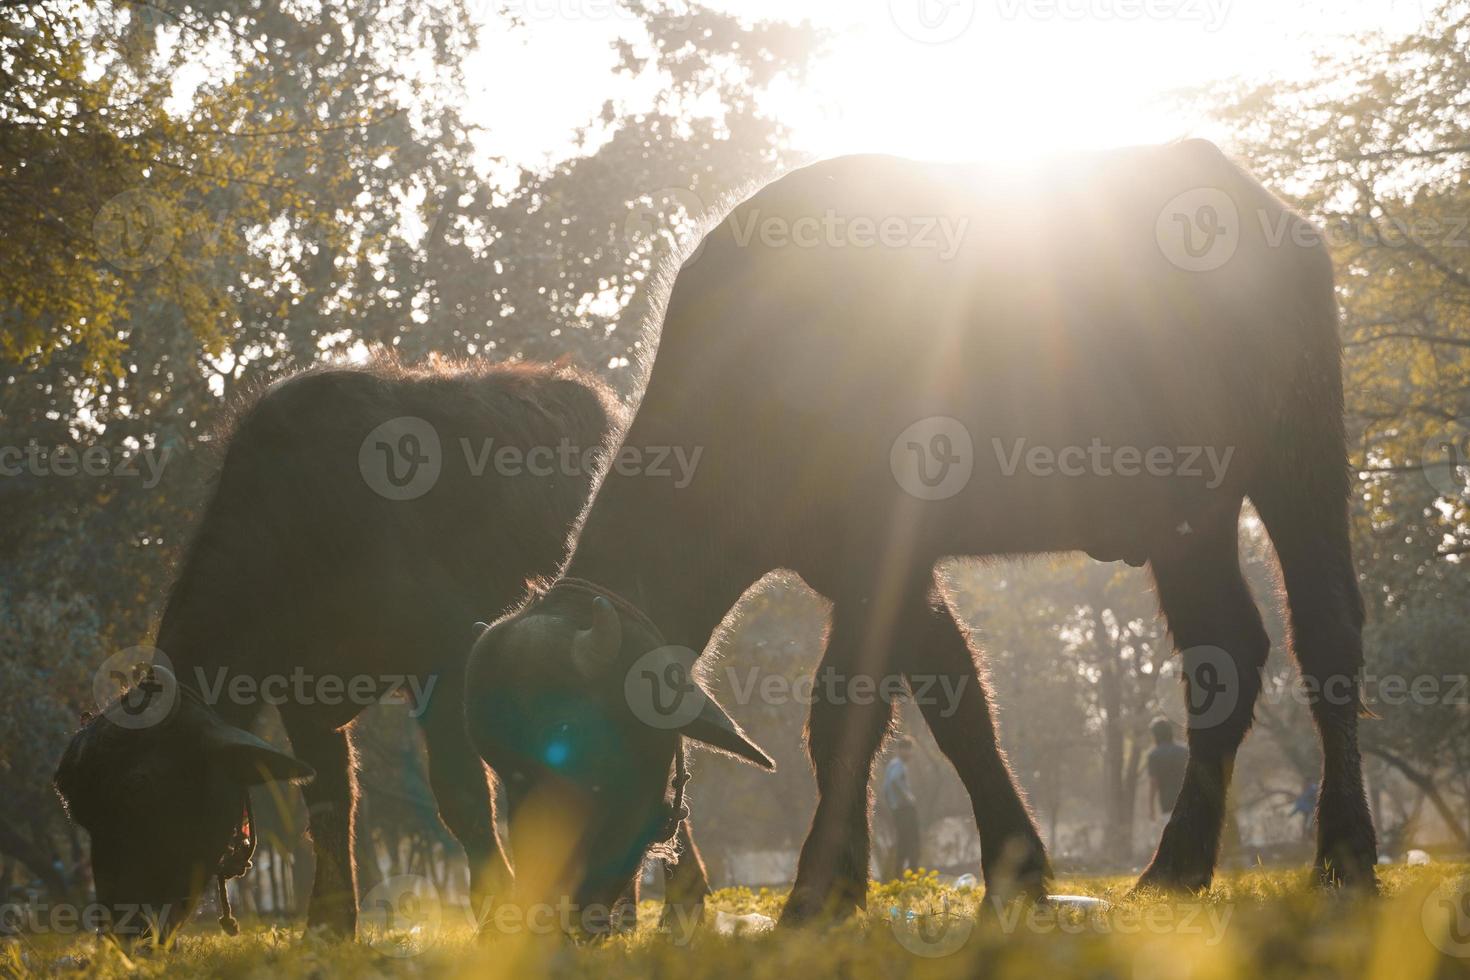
{"x":951,"y":79}
{"x":1011,"y":79}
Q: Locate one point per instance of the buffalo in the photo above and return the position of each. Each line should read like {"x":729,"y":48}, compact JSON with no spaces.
{"x":882,"y":363}
{"x":364,"y":518}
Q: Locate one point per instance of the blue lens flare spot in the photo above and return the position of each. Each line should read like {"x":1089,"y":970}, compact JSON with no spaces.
{"x":557,"y":754}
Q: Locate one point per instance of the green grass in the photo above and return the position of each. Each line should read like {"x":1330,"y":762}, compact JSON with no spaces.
{"x":1256,"y":923}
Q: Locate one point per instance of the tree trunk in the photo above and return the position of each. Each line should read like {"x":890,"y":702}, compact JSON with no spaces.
{"x":303,"y":867}
{"x":1425,"y":783}
{"x":1128,"y":801}
{"x":278,"y":885}
{"x":1117,"y":835}
{"x":34,"y":857}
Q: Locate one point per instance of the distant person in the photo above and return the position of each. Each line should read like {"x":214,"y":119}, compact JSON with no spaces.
{"x":1306,"y":805}
{"x":1166,"y":761}
{"x":898,"y":796}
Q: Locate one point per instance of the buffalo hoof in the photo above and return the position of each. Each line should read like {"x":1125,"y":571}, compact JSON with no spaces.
{"x":1184,"y":862}
{"x":1022,"y":872}
{"x":1173,"y":881}
{"x":1349,"y":870}
{"x":808,"y":906}
{"x":1347,"y":853}
{"x":1013,"y":890}
{"x":1177,"y":870}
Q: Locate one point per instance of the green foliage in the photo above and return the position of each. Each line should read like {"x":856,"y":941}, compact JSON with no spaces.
{"x":1373,"y":147}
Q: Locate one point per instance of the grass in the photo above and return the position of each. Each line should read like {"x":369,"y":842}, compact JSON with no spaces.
{"x":1267,"y":923}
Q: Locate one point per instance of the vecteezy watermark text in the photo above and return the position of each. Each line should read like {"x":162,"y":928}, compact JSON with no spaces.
{"x":138,"y":687}
{"x":1216,"y":686}
{"x":676,"y":18}
{"x":934,"y":459}
{"x":404,"y":458}
{"x":302,"y":688}
{"x":831,"y":686}
{"x":403,"y":915}
{"x":943,"y":234}
{"x":1210,"y":13}
{"x":64,"y":918}
{"x":1100,"y":459}
{"x":564,"y":459}
{"x":930,"y":928}
{"x":1205,"y":919}
{"x":664,"y":690}
{"x":95,"y":461}
{"x":1201,"y":229}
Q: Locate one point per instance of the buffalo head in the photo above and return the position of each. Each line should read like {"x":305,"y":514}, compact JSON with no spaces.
{"x":589,"y":781}
{"x":165,"y":805}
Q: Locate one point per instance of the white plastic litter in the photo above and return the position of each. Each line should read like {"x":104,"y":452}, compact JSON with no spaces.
{"x":751,"y":923}
{"x":966,"y":880}
{"x":1416,"y":856}
{"x":1078,"y":903}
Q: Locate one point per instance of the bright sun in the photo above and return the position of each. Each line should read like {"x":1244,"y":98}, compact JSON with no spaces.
{"x":1026,"y":77}
{"x":941,"y":79}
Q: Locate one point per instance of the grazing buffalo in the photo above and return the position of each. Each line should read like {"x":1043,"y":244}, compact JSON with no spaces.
{"x":363,"y":520}
{"x":880,"y":363}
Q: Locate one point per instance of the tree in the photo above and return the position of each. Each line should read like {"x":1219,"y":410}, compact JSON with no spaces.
{"x":1373,"y":146}
{"x":52,"y":645}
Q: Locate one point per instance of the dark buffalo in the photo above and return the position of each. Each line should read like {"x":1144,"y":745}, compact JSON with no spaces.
{"x":341,"y":543}
{"x":866,"y":354}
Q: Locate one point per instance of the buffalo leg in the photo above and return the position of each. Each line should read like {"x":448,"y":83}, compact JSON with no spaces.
{"x":950,"y":689}
{"x":1310,"y":533}
{"x":844,"y":734}
{"x":331,"y":807}
{"x":686,"y":885}
{"x":1215,"y":623}
{"x":462,"y":792}
{"x":623,"y":916}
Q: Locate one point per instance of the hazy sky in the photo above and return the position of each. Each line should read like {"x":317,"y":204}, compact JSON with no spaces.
{"x":934,"y":78}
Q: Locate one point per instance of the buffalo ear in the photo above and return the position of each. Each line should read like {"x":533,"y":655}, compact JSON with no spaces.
{"x":595,"y":650}
{"x":718,"y":730}
{"x":249,"y":759}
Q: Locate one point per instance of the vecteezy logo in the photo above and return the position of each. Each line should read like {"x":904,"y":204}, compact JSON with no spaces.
{"x":401,"y":916}
{"x":1209,"y":692}
{"x":1447,"y":458}
{"x":130,"y":693}
{"x":926,"y":928}
{"x":401,"y":458}
{"x":932,"y":21}
{"x":933,"y":458}
{"x":1198,"y":230}
{"x":134,"y":230}
{"x":661,"y":690}
{"x":676,"y":212}
{"x":1446,"y":916}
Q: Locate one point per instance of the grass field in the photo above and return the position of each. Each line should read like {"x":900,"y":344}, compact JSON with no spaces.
{"x":1258,"y":923}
